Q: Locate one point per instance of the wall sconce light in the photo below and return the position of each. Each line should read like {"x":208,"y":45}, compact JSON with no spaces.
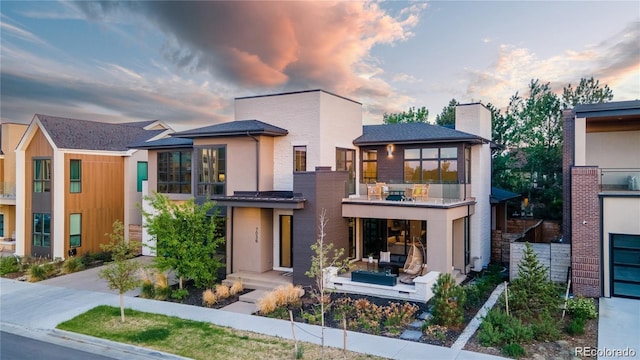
{"x":389,"y":150}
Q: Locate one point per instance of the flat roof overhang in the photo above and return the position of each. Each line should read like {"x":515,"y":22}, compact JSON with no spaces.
{"x":259,"y":202}
{"x":405,"y":210}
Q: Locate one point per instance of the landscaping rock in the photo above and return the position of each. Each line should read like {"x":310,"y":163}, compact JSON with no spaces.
{"x":425,"y":316}
{"x":417,"y":325}
{"x":413,"y":335}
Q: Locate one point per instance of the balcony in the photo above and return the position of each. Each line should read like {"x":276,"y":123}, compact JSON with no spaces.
{"x":7,"y":193}
{"x":439,"y":195}
{"x":619,"y":180}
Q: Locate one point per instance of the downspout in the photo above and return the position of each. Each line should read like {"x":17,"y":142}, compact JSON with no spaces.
{"x":257,"y":160}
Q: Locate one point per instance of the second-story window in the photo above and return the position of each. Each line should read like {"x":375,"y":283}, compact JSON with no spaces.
{"x":212,"y":170}
{"x":299,"y":158}
{"x":431,"y":165}
{"x":369,"y":166}
{"x":41,"y":175}
{"x":174,"y":172}
{"x":344,"y":162}
{"x":75,"y":173}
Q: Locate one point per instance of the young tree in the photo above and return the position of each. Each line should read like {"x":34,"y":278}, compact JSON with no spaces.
{"x":448,"y":301}
{"x":323,"y":258}
{"x":186,"y":240}
{"x":121,"y":272}
{"x":448,"y":114}
{"x":410,"y":116}
{"x":588,"y":91}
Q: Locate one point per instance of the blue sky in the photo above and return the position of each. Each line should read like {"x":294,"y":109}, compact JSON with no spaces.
{"x":185,"y":62}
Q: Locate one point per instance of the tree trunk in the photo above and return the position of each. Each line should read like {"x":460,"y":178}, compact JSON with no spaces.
{"x":122,"y":307}
{"x":180,"y":282}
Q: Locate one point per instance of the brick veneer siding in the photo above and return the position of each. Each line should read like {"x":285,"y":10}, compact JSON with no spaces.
{"x":568,"y":151}
{"x":585,"y":230}
{"x":323,"y":190}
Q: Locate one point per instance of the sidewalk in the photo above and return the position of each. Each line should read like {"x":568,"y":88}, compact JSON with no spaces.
{"x":40,"y":307}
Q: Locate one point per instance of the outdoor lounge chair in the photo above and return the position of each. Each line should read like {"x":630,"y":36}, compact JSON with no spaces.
{"x":413,"y":267}
{"x":374,"y":191}
{"x":420,"y":192}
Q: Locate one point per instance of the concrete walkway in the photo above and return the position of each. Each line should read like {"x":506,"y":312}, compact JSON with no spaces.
{"x":39,"y":307}
{"x":619,"y":328}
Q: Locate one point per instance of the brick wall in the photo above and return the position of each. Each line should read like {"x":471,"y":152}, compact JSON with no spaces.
{"x":585,"y":231}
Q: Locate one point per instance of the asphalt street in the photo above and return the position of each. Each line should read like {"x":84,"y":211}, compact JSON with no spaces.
{"x":16,"y":347}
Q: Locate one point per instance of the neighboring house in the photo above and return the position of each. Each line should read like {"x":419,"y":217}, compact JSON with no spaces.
{"x":287,"y":158}
{"x":74,"y":179}
{"x":10,"y":134}
{"x":601,"y":168}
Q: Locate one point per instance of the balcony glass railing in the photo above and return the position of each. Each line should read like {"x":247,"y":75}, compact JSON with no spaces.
{"x":619,"y":179}
{"x":438,"y":193}
{"x":7,"y":190}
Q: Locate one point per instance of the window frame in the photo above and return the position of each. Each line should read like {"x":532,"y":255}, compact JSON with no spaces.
{"x":342,"y":157}
{"x":366,"y":162}
{"x":299,"y":158}
{"x":420,"y":157}
{"x":42,"y":234}
{"x":72,"y":235}
{"x":75,"y":184}
{"x":2,"y":225}
{"x":216,"y":178}
{"x":41,"y":179}
{"x":182,"y":172}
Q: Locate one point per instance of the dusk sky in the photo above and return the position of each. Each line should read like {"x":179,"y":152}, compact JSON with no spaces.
{"x":185,"y":62}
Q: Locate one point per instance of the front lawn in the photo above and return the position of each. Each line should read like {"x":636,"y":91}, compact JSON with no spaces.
{"x":193,"y":339}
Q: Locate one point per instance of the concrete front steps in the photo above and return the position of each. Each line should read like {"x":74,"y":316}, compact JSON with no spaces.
{"x":259,"y":281}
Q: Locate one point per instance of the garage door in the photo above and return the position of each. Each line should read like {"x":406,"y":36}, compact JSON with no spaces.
{"x":625,"y":265}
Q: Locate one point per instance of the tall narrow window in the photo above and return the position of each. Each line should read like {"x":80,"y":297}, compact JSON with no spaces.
{"x":41,"y":229}
{"x":174,"y":172}
{"x":143,"y":173}
{"x":344,"y":162}
{"x":75,"y":230}
{"x":75,"y":173}
{"x":369,"y":166}
{"x":212,"y":170}
{"x":299,"y":158}
{"x":286,"y":241}
{"x":1,"y":225}
{"x":41,"y":175}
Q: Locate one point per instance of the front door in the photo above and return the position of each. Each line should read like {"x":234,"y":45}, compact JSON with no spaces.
{"x":625,"y":265}
{"x":286,"y":241}
{"x":41,"y":235}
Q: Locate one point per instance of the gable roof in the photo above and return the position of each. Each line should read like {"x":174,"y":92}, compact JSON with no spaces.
{"x":69,"y":133}
{"x":234,"y":128}
{"x":412,"y":133}
{"x":164,"y":143}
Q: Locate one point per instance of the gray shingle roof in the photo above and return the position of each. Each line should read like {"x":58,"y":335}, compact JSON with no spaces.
{"x":411,"y":133}
{"x":140,"y":124}
{"x":616,"y":108}
{"x":91,"y":135}
{"x":234,"y":128}
{"x":163,"y":143}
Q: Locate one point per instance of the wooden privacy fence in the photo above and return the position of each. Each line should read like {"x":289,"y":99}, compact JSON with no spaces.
{"x":556,"y":257}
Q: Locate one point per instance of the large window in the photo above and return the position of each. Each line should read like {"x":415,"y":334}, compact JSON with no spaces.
{"x":42,"y":175}
{"x":42,"y":229}
{"x":299,"y":158}
{"x":369,"y":166}
{"x":431,"y":165}
{"x":344,"y":162}
{"x":75,"y":230}
{"x":212,"y":170}
{"x":75,"y":173}
{"x":174,"y":172}
{"x":143,"y":174}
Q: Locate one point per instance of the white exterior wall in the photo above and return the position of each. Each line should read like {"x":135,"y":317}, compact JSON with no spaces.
{"x":131,"y":195}
{"x":315,"y":119}
{"x":476,"y":119}
{"x":619,"y":149}
{"x":20,"y":202}
{"x":580,"y":129}
{"x":58,"y":211}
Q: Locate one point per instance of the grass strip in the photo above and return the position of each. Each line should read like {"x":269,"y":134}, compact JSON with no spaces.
{"x":193,"y":339}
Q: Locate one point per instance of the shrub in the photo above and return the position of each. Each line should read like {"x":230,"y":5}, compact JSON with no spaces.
{"x":546,"y":327}
{"x":162,"y":290}
{"x":498,"y":328}
{"x":180,"y":294}
{"x":9,"y":264}
{"x":343,"y":307}
{"x":576,"y":326}
{"x":267,"y":304}
{"x":581,"y":307}
{"x":236,"y":287}
{"x":368,"y":316}
{"x":222,"y":291}
{"x":147,"y":287}
{"x":513,"y":350}
{"x":448,"y":301}
{"x":72,"y":264}
{"x":398,"y":316}
{"x":209,"y":298}
{"x":436,"y":331}
{"x":38,"y":272}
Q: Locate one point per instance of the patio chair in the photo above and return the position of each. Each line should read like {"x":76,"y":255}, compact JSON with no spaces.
{"x":413,"y":267}
{"x":373,"y":191}
{"x":420,"y":192}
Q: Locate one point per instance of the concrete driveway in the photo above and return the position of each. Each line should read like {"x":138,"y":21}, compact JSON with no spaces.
{"x":619,"y":328}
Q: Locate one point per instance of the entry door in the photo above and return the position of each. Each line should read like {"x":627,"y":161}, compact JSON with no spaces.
{"x":374,"y":235}
{"x":41,"y":235}
{"x":625,"y":265}
{"x":286,"y":241}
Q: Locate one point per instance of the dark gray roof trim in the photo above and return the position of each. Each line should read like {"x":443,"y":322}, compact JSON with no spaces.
{"x":91,"y":135}
{"x":299,"y":92}
{"x":412,"y":133}
{"x":163,"y":144}
{"x":262,"y":199}
{"x":500,"y":195}
{"x":234,"y":128}
{"x":616,"y":108}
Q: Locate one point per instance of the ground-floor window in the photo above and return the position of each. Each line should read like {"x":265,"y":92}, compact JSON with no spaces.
{"x":42,"y":229}
{"x":625,"y":265}
{"x":286,"y":241}
{"x":75,"y":230}
{"x":2,"y":225}
{"x":393,"y":235}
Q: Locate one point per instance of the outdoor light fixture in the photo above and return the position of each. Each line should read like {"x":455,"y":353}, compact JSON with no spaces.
{"x":389,"y":150}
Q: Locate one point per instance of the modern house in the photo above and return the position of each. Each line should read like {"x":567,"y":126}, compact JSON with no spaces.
{"x":601,"y":170}
{"x":10,"y":134}
{"x":74,"y":179}
{"x":288,"y":158}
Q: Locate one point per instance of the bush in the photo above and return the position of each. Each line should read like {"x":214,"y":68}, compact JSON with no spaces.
{"x":581,"y":307}
{"x":222,"y":291}
{"x":398,"y":316}
{"x":180,"y":294}
{"x":576,"y":326}
{"x":236,"y":287}
{"x":72,"y":264}
{"x":546,"y":328}
{"x":436,"y":331}
{"x":9,"y":264}
{"x":39,"y":272}
{"x":209,"y":298}
{"x":513,"y":350}
{"x":498,"y":329}
{"x":162,"y":289}
{"x":448,"y":301}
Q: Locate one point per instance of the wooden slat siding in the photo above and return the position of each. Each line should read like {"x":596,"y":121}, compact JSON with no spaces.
{"x":38,"y":147}
{"x":135,"y":235}
{"x":556,"y":257}
{"x":101,"y":200}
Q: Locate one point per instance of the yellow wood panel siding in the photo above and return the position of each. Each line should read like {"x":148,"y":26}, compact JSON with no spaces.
{"x":101,"y":200}
{"x":2,"y":172}
{"x":38,"y":147}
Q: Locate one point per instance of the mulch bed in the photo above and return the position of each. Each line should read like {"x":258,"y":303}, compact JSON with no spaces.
{"x":195,"y":297}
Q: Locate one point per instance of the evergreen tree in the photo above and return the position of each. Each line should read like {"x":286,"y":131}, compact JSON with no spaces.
{"x":448,"y":301}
